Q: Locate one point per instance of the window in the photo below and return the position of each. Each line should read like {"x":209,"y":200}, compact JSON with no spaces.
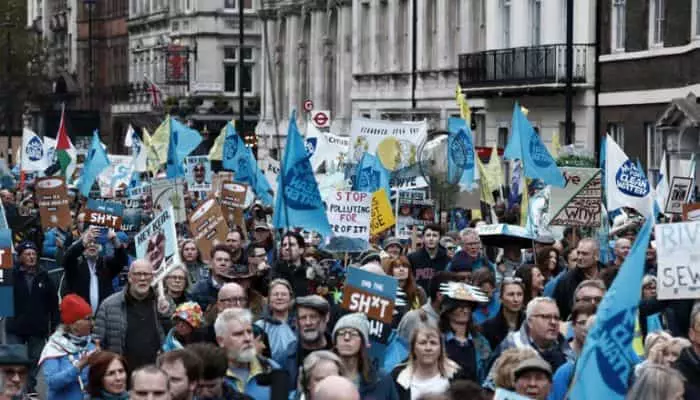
{"x":697,"y":17}
{"x":233,"y":4}
{"x":657,"y":17}
{"x":618,"y":25}
{"x":232,"y":69}
{"x":654,"y":146}
{"x":502,"y":136}
{"x":536,"y":21}
{"x":505,"y":21}
{"x":617,"y":132}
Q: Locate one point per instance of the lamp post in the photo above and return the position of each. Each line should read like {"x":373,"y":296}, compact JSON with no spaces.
{"x":89,"y":4}
{"x":9,"y":117}
{"x":241,"y":65}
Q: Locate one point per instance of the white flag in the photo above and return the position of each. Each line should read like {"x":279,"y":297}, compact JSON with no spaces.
{"x":625,"y":184}
{"x":49,"y":151}
{"x":138,"y":150}
{"x":662,"y":185}
{"x":127,"y":138}
{"x":32,"y":152}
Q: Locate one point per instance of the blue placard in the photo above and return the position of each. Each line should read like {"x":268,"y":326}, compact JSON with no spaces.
{"x":7,"y":300}
{"x":379,"y":285}
{"x":107,"y":207}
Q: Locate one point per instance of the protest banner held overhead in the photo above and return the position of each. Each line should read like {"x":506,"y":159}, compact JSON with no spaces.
{"x":678,"y":256}
{"x":371,"y":294}
{"x":349,"y":214}
{"x":207,"y":225}
{"x":104,"y":213}
{"x":233,"y":197}
{"x":382,"y":214}
{"x":157,"y":243}
{"x":52,"y":198}
{"x":678,"y":195}
{"x":578,"y":202}
{"x":116,"y":175}
{"x":198,"y":173}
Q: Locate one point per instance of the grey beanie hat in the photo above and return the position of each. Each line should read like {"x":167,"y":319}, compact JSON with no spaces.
{"x":357,"y":321}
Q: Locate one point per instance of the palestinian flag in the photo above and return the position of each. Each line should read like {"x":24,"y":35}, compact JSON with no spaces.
{"x":65,"y":152}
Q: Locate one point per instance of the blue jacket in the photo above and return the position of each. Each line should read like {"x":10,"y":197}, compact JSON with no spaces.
{"x":49,"y":248}
{"x":61,"y":377}
{"x":559,"y":354}
{"x":561,"y":381}
{"x":280,"y":335}
{"x":378,"y":387}
{"x":252,"y":386}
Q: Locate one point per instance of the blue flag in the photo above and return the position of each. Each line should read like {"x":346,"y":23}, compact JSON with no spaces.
{"x":298,"y":202}
{"x":371,"y":175}
{"x":607,"y":360}
{"x":528,"y":147}
{"x":95,"y":162}
{"x":238,"y":158}
{"x":183,"y":140}
{"x":460,"y":153}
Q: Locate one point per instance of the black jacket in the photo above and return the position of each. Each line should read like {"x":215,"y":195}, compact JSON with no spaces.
{"x":295,"y":275}
{"x":77,"y":272}
{"x":35,"y":310}
{"x":688,"y":364}
{"x":564,"y":292}
{"x":424,"y":267}
{"x":496,"y":328}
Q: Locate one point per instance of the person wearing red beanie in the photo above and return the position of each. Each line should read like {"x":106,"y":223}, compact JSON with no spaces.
{"x":74,"y":308}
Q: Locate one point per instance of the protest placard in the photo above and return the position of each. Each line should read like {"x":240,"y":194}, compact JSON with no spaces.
{"x":138,"y":192}
{"x":349,"y":214}
{"x":117,"y":175}
{"x":104,"y":213}
{"x":53,"y":202}
{"x":382,"y":214}
{"x":691,"y":212}
{"x":678,"y":259}
{"x":170,"y":192}
{"x":369,"y":293}
{"x":578,"y":202}
{"x":219,"y":179}
{"x":207,"y":224}
{"x":233,"y":196}
{"x":157,"y":243}
{"x":198,"y":173}
{"x":415,"y":211}
{"x":7,"y":306}
{"x":6,"y":259}
{"x":678,"y":194}
{"x":503,"y":394}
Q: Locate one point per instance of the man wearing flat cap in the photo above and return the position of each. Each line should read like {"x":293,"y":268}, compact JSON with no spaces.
{"x":14,"y":370}
{"x":533,"y":378}
{"x":35,"y":304}
{"x":312,"y":318}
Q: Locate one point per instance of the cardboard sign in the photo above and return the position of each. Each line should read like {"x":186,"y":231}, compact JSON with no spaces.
{"x":7,"y":305}
{"x":691,"y":212}
{"x":207,"y":224}
{"x":578,"y":203}
{"x":370,"y":294}
{"x":170,"y":192}
{"x":233,"y":195}
{"x":53,"y":202}
{"x":678,"y":194}
{"x":157,"y":243}
{"x":678,"y":256}
{"x":198,"y":173}
{"x":138,"y":192}
{"x":382,"y":214}
{"x":219,"y":179}
{"x":6,"y":259}
{"x":349,"y":214}
{"x":104,"y":213}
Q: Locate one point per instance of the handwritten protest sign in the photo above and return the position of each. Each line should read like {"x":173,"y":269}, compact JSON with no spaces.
{"x":198,"y":173}
{"x":578,"y":202}
{"x":382,"y":214}
{"x":349,"y":215}
{"x":170,"y":192}
{"x":53,"y":203}
{"x":369,"y":293}
{"x":157,"y":243}
{"x":207,"y":224}
{"x":104,"y":213}
{"x":678,"y":256}
{"x":233,"y":195}
{"x":678,"y":195}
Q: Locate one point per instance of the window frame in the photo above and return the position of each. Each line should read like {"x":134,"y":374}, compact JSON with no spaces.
{"x":616,"y":130}
{"x":506,"y":19}
{"x":231,"y":60}
{"x":618,"y":26}
{"x":657,"y":23}
{"x":535,"y":22}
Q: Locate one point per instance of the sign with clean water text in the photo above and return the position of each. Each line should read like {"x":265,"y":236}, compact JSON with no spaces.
{"x":370,"y":294}
{"x":678,"y":255}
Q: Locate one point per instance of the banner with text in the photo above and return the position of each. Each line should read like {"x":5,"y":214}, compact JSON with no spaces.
{"x":578,"y":203}
{"x":198,"y":173}
{"x":116,"y":176}
{"x":104,"y":213}
{"x":349,"y":214}
{"x":157,"y":243}
{"x":233,"y":195}
{"x":382,"y":214}
{"x":678,"y":253}
{"x":678,"y":195}
{"x":52,"y":198}
{"x":207,"y":225}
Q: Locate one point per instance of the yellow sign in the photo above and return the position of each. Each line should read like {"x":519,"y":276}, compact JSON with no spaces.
{"x":382,"y":214}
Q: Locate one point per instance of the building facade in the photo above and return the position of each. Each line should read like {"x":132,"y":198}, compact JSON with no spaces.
{"x":190,"y":50}
{"x":648,"y":54}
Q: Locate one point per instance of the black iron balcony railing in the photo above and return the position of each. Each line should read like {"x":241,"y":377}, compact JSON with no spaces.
{"x":524,"y":66}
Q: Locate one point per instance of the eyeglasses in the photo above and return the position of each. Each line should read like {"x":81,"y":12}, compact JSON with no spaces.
{"x":142,"y":275}
{"x":590,"y":299}
{"x":348,"y":332}
{"x":451,"y":248}
{"x":177,"y":278}
{"x":472,"y":244}
{"x":234,"y":300}
{"x":259,"y":255}
{"x":548,"y":317}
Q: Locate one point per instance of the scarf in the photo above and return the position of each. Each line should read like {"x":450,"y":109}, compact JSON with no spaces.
{"x":171,"y":342}
{"x":104,"y":395}
{"x":62,"y":343}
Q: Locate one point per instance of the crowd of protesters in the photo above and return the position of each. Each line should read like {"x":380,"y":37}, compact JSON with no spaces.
{"x":262,"y":319}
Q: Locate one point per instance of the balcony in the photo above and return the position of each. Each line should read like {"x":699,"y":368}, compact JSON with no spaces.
{"x":524,"y":69}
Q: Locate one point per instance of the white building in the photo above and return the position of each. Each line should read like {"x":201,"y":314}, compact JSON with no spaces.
{"x":164,"y":34}
{"x":356,"y":58}
{"x":57,"y":23}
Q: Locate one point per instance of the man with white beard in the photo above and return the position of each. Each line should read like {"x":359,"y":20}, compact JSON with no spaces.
{"x":247,"y":371}
{"x":312,"y":318}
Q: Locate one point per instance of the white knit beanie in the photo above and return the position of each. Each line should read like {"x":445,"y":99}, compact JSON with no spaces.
{"x":357,"y":321}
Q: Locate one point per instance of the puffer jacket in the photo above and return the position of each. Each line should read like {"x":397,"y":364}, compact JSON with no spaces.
{"x":688,"y":364}
{"x":110,"y":323}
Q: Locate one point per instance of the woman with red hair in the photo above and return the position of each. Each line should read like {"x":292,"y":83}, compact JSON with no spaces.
{"x":400,"y":268}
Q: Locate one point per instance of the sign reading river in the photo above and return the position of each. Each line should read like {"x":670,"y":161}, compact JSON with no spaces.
{"x":678,"y":255}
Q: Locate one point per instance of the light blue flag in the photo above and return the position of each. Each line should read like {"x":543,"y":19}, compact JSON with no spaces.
{"x":537,"y":162}
{"x":238,"y":158}
{"x":183,"y":140}
{"x":371,"y":175}
{"x":604,"y":367}
{"x":298,"y":202}
{"x":95,"y":162}
{"x":460,"y":153}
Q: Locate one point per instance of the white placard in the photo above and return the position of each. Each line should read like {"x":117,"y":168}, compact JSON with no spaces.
{"x":678,"y":256}
{"x":349,"y":214}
